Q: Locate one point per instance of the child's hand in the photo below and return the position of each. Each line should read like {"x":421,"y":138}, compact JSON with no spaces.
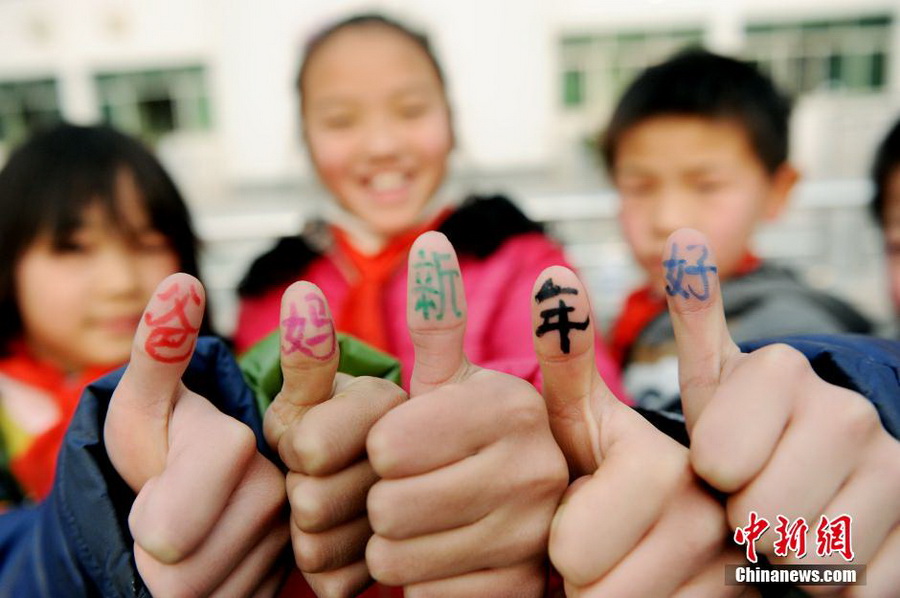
{"x":207,"y":517}
{"x":471,"y":474}
{"x":637,"y":522}
{"x":318,"y":423}
{"x":782,"y":441}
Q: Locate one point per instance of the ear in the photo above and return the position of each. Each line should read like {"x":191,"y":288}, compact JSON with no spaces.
{"x":304,"y":134}
{"x":451,"y":123}
{"x":782,"y":183}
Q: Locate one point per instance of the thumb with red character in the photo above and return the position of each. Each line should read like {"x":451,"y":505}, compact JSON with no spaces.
{"x":635,"y":506}
{"x":777,"y":438}
{"x":470,"y":474}
{"x":208,"y":510}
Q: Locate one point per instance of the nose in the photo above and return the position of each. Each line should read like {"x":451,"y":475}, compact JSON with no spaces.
{"x":116,"y":272}
{"x":382,"y":137}
{"x":673,"y":211}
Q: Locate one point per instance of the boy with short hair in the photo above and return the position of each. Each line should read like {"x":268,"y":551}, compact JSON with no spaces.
{"x":701,"y":141}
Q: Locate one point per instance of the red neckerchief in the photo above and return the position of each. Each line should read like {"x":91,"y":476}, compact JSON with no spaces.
{"x":362,"y":314}
{"x":296,"y":587}
{"x":643,"y":306}
{"x":35,"y":467}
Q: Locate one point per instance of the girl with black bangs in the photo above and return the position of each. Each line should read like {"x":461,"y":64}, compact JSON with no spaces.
{"x":90,"y":223}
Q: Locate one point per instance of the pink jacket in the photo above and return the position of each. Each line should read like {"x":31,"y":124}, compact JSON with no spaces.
{"x":498,"y":293}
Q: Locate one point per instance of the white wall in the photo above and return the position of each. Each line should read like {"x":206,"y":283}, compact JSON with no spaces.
{"x":500,"y":58}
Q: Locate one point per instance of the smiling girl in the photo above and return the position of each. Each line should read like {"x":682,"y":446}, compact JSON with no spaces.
{"x":90,"y":223}
{"x":378,"y":127}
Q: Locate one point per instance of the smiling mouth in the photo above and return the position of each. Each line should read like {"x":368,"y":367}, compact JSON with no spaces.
{"x":390,"y":187}
{"x":121,"y":325}
{"x":388,"y":181}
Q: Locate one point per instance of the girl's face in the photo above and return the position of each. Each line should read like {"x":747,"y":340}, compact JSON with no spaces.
{"x":81,"y":303}
{"x":377,"y":125}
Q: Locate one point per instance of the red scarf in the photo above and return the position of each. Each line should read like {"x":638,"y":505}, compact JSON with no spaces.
{"x":296,"y":587}
{"x":643,"y":306}
{"x":362,"y":314}
{"x":35,"y":467}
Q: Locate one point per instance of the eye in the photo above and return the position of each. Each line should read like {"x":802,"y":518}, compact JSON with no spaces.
{"x":338,"y":121}
{"x":709,"y":186}
{"x":153,"y":242}
{"x":411,"y":110}
{"x":74,"y":244}
{"x":635,"y":188}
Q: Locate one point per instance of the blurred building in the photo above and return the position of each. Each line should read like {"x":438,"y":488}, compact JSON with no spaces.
{"x":210,"y":84}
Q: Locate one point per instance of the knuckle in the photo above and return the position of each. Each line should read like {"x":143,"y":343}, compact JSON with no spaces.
{"x":568,"y":550}
{"x":527,"y":415}
{"x":164,"y":541}
{"x":165,"y":546}
{"x":711,"y":465}
{"x":671,"y":469}
{"x":506,"y":544}
{"x":784,"y":358}
{"x":557,"y":478}
{"x":709,"y":529}
{"x":545,"y":474}
{"x":521,"y":407}
{"x":274,"y":494}
{"x":380,"y":507}
{"x":533,"y":540}
{"x":858,"y":417}
{"x":336,"y":586}
{"x":571,"y":564}
{"x":164,"y":580}
{"x":310,"y":507}
{"x":383,"y":562}
{"x":239,"y":438}
{"x":739,"y":506}
{"x":310,"y":553}
{"x":311,"y":446}
{"x":370,"y":385}
{"x":384,"y":445}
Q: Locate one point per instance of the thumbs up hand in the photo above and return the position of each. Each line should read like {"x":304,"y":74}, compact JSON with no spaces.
{"x":318,"y":423}
{"x":767,"y":430}
{"x":470,"y":473}
{"x":207,"y":517}
{"x":636,"y":521}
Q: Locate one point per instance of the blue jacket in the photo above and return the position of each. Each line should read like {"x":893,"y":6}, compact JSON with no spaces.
{"x":868,"y":365}
{"x":77,"y":543}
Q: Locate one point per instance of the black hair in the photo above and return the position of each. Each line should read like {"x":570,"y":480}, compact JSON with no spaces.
{"x":366,"y":20}
{"x":887,"y":160}
{"x":696,"y":82}
{"x":50,"y":180}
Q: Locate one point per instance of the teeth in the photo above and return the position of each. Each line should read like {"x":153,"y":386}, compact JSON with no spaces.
{"x":387,"y":181}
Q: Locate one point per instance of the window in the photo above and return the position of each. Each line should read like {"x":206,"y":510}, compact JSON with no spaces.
{"x":573,"y":88}
{"x":596,"y":68}
{"x":150,"y":104}
{"x":816,"y":55}
{"x":26,"y":106}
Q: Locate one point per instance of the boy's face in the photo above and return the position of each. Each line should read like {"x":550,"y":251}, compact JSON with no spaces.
{"x":685,"y":171}
{"x":892,"y":235}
